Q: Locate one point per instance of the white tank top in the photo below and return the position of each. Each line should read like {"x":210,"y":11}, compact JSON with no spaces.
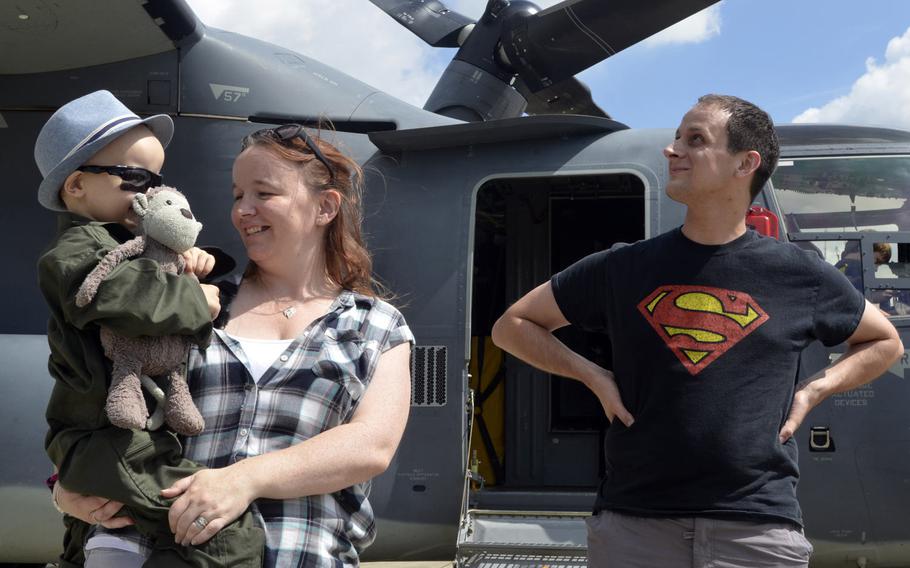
{"x":261,"y":353}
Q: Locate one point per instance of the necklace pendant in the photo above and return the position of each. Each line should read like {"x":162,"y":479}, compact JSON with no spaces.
{"x":289,"y":312}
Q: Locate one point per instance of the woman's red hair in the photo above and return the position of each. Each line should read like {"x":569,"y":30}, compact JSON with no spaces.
{"x":347,"y":260}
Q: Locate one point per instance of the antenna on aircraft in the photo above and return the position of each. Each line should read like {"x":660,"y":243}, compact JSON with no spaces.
{"x":519,"y":59}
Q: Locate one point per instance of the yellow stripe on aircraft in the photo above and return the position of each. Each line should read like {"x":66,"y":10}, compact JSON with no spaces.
{"x":701,"y":302}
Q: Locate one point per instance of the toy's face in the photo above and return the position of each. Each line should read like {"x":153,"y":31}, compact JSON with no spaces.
{"x":167,"y":218}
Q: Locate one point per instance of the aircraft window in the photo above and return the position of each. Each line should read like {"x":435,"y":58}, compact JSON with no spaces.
{"x":891,"y":261}
{"x":892,"y":301}
{"x":887,"y":263}
{"x":844,"y":193}
{"x":844,"y":255}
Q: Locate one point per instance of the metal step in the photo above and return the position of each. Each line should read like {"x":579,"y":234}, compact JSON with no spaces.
{"x":522,"y":539}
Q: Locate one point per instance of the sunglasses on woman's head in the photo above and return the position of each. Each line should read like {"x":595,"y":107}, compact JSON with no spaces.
{"x":287,"y":133}
{"x":133,"y":178}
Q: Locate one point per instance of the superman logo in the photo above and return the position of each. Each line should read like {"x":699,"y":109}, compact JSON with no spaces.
{"x":698,"y":323}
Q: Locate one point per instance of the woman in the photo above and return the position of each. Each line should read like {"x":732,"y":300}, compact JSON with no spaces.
{"x":305,"y":389}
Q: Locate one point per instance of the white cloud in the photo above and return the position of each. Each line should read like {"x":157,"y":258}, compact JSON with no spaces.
{"x":879,"y":97}
{"x":697,"y":28}
{"x":351,"y":35}
{"x":360,"y":40}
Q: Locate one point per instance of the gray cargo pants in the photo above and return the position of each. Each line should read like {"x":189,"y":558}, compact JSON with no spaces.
{"x":132,"y":466}
{"x":623,"y":541}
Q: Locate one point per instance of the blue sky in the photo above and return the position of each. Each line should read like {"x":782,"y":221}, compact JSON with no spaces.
{"x":785,"y":55}
{"x":788,"y":56}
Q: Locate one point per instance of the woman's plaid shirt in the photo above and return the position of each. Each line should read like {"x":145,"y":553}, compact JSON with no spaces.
{"x":313,"y":386}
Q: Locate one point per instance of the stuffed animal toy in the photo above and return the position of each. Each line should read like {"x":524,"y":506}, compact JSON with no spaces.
{"x":166,"y":228}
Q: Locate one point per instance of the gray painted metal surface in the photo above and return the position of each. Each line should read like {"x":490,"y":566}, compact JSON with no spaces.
{"x":421,"y":207}
{"x":513,"y":538}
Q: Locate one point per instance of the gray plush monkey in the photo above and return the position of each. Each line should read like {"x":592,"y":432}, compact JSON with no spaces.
{"x":166,"y":229}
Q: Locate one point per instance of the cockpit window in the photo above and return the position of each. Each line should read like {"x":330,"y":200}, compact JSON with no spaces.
{"x":844,"y":194}
{"x":854,"y":212}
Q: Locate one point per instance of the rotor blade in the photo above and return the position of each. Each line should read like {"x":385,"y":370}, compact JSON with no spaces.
{"x":429,"y":20}
{"x":566,"y":97}
{"x":559,"y":42}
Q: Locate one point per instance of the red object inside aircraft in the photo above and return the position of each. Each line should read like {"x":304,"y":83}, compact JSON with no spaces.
{"x":764,"y":221}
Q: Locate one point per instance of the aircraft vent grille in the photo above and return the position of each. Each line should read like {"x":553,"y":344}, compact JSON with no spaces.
{"x":428,"y":375}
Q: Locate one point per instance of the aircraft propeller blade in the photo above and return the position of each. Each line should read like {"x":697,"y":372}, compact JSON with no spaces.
{"x":555,"y":44}
{"x":429,"y":20}
{"x":566,"y":97}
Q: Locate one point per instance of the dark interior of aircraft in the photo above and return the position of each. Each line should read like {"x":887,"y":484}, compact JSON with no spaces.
{"x":538,"y":439}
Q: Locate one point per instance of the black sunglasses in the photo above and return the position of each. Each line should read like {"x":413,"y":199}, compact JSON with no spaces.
{"x":134,"y":178}
{"x":287,"y":133}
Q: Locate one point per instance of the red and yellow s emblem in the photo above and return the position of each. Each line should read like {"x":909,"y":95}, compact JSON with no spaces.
{"x":698,"y":323}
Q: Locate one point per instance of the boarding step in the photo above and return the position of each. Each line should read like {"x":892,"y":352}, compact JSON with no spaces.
{"x":522,"y":539}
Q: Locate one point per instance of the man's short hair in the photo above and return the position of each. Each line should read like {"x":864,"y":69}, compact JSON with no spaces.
{"x":748,"y":128}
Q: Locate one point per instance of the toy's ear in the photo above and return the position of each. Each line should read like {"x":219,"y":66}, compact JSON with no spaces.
{"x":140,"y":204}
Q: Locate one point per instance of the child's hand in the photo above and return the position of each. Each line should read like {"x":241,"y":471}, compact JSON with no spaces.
{"x":211,"y":296}
{"x":91,"y":510}
{"x":198,"y":262}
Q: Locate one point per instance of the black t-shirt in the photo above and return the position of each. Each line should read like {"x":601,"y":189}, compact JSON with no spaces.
{"x":706,"y":343}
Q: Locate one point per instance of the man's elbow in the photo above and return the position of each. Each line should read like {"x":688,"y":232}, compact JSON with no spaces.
{"x":498,"y":333}
{"x":888,"y":346}
{"x":895,"y":348}
{"x":506,"y":330}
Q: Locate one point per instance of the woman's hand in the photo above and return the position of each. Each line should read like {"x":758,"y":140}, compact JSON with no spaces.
{"x":198,"y":262}
{"x":90,"y":509}
{"x":206,"y":502}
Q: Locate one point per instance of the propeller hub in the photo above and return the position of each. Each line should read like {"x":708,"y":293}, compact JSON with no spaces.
{"x":518,"y":49}
{"x":482,"y":47}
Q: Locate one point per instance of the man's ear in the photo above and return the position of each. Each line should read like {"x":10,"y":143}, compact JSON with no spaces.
{"x":329,"y":204}
{"x":750,"y":162}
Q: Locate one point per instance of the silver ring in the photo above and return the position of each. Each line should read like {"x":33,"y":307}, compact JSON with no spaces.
{"x":201,"y":522}
{"x":94,"y":518}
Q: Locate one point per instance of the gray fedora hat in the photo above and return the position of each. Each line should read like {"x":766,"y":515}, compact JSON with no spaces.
{"x":79,"y":130}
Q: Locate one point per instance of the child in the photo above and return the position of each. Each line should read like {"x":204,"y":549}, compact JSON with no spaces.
{"x":95,"y":155}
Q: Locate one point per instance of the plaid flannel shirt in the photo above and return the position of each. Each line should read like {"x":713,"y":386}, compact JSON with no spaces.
{"x":313,"y":386}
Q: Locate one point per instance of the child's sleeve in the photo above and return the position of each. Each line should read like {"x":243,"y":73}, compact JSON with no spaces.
{"x":137,"y":297}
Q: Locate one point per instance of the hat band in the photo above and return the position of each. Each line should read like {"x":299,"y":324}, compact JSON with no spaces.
{"x":101,"y":131}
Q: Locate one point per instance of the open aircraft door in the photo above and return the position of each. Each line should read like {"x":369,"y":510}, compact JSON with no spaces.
{"x":489,"y":538}
{"x":523,"y":200}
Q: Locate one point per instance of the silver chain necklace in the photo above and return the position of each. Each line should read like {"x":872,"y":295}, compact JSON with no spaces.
{"x":287,"y":312}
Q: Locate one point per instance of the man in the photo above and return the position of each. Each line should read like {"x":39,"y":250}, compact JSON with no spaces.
{"x":707,"y":323}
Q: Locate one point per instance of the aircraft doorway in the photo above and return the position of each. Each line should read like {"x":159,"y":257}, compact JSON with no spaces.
{"x":536,"y":435}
